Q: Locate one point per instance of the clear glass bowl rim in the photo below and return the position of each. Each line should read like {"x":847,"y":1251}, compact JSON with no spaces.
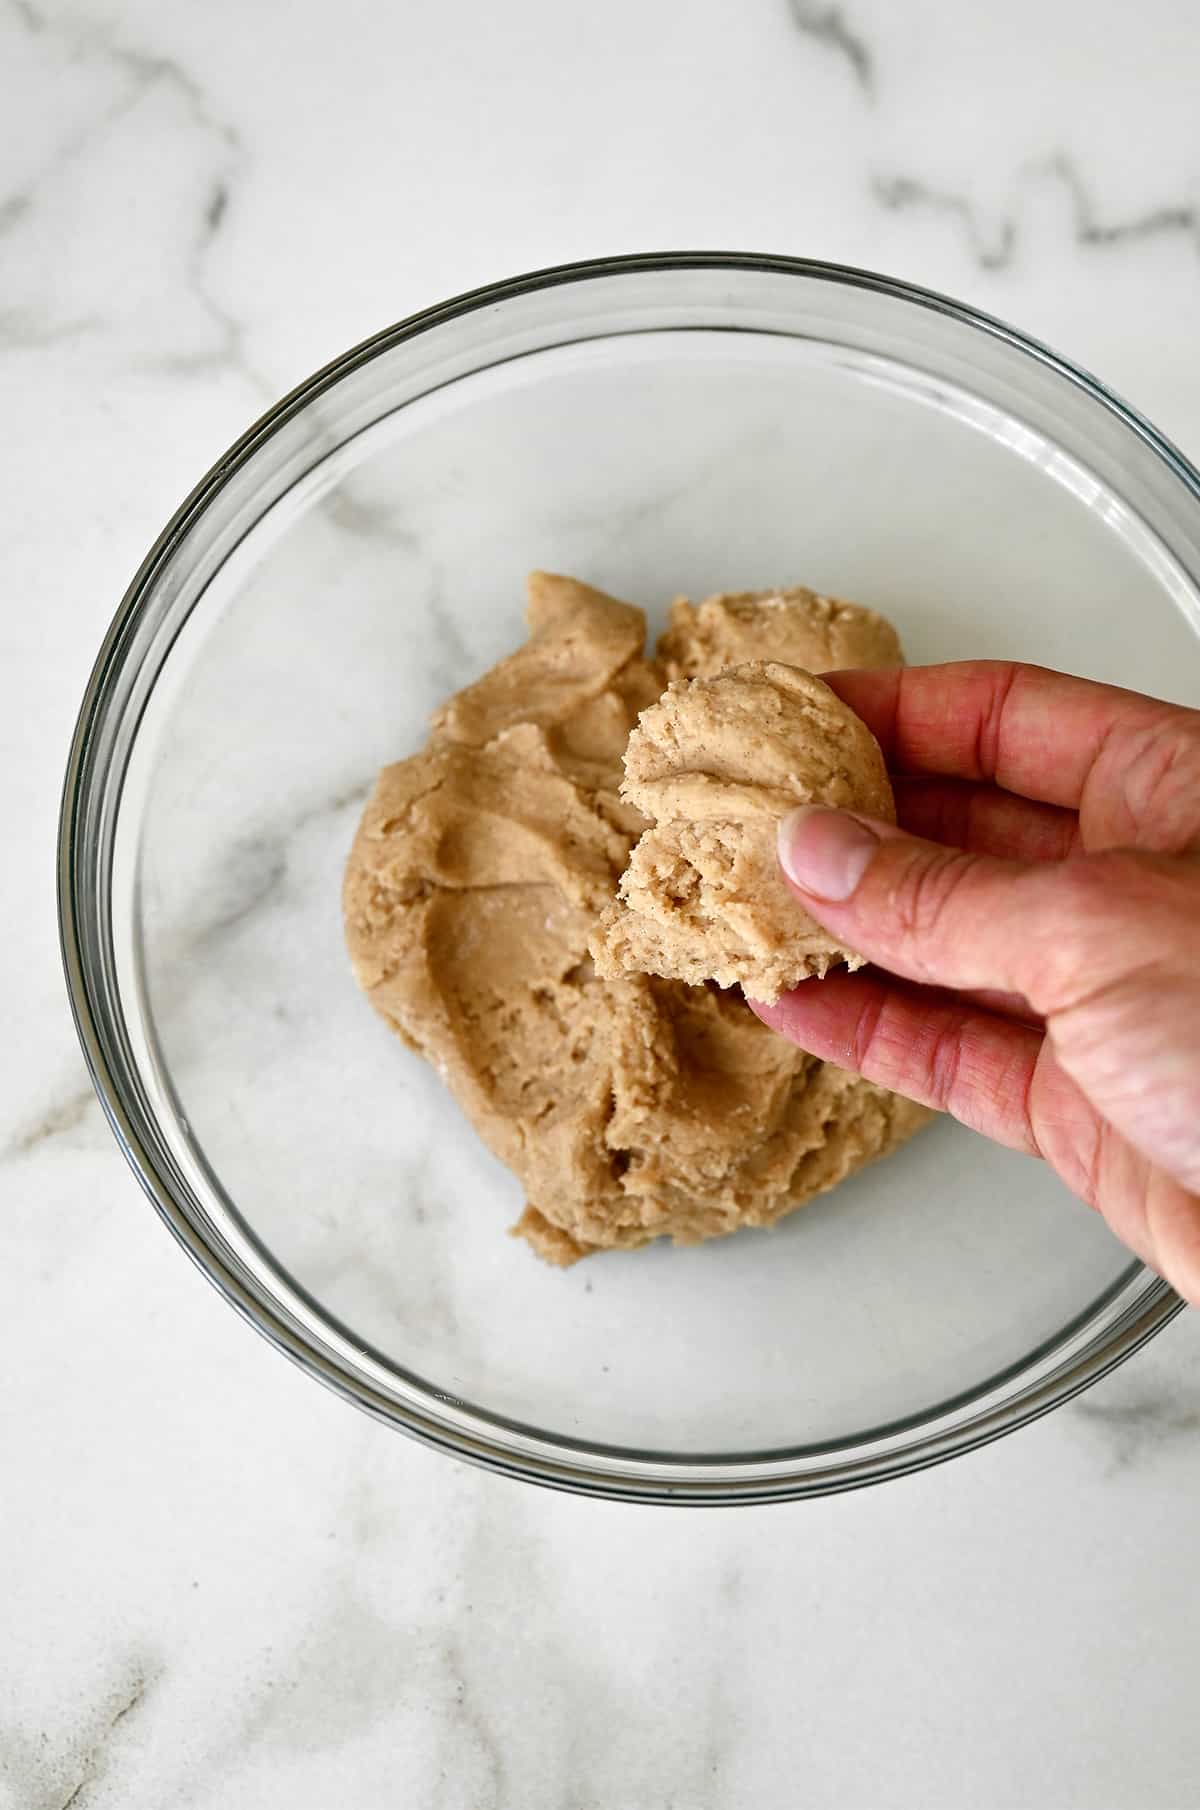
{"x":1110,"y":1331}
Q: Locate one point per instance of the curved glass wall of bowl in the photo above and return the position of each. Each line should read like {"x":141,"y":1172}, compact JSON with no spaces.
{"x":654,"y":430}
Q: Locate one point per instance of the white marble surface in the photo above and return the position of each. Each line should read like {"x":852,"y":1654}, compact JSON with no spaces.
{"x":219,"y":1586}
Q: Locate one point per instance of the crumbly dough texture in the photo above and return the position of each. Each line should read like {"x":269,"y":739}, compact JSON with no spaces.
{"x":631,"y":1108}
{"x":714,"y":765}
{"x":797,"y":626}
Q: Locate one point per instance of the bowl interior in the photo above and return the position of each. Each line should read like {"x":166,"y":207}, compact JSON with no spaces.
{"x":390,"y":573}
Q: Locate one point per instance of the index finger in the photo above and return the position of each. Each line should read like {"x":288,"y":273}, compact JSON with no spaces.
{"x":1025,"y":728}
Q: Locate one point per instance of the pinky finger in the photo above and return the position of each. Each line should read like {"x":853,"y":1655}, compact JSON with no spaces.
{"x":945,"y":1053}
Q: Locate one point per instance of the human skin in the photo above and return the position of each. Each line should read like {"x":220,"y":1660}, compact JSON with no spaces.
{"x":1036,"y":915}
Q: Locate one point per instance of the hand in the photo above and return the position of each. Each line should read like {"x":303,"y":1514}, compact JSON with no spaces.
{"x":1038,"y":917}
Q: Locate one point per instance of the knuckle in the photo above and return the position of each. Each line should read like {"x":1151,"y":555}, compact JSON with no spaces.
{"x":924,"y":891}
{"x":866,"y":1039}
{"x":944,"y":1064}
{"x":1160,"y":781}
{"x":989,"y":734}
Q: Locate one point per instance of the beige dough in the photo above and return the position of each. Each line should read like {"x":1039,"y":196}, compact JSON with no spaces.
{"x":714,"y":765}
{"x":820,"y":634}
{"x":628,"y":1108}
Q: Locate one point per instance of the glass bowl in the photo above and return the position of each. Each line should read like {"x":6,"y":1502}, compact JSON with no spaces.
{"x":653,"y":425}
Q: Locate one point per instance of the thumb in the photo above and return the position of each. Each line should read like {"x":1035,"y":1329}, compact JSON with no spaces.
{"x":1105,"y":946}
{"x":1051,"y":930}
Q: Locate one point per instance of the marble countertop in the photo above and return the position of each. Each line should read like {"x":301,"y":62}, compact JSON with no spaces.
{"x":219,"y":1586}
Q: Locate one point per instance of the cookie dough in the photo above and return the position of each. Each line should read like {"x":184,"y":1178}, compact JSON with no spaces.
{"x":714,"y":765}
{"x":580,"y":678}
{"x":629,"y":1109}
{"x":797,"y":626}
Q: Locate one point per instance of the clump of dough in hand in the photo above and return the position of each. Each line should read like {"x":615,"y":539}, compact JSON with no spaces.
{"x":714,"y":765}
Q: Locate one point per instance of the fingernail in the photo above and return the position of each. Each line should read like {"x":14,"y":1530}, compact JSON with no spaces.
{"x":825,"y":852}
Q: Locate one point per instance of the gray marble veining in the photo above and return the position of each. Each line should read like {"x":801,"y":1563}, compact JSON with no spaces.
{"x":996,"y":243}
{"x":828,"y":25}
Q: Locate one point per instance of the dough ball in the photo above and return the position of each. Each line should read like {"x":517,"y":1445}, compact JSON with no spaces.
{"x":714,"y":765}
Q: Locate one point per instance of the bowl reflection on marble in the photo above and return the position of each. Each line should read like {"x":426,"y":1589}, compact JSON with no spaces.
{"x":661,"y":424}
